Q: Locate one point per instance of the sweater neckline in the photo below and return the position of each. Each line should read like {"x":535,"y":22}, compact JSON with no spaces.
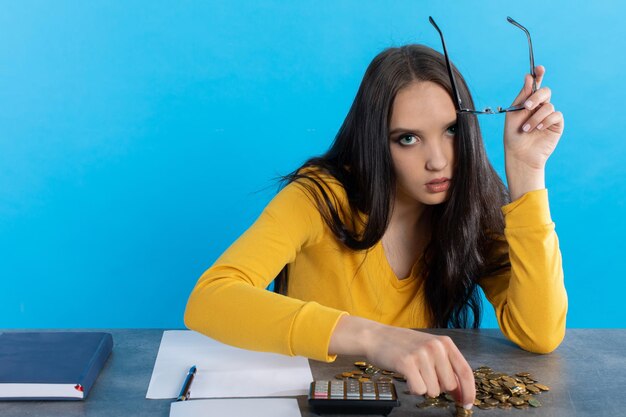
{"x":393,"y":278}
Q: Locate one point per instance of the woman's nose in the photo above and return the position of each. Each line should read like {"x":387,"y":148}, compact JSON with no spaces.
{"x":436,"y":159}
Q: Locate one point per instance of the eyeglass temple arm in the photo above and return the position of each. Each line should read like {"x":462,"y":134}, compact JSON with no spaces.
{"x":450,"y":73}
{"x":530,"y":48}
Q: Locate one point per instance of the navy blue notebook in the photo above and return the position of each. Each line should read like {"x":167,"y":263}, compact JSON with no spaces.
{"x":51,"y":365}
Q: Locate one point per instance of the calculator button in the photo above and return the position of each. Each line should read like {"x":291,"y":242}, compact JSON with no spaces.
{"x":320,"y":389}
{"x":336,"y":389}
{"x":384,"y":391}
{"x":352,"y":389}
{"x":369,"y":392}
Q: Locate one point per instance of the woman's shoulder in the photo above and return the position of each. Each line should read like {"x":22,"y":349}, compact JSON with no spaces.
{"x":302,"y":204}
{"x":313,"y":190}
{"x":318,"y":182}
{"x":313,"y":172}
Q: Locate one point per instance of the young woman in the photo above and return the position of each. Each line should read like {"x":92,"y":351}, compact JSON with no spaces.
{"x":396,"y":227}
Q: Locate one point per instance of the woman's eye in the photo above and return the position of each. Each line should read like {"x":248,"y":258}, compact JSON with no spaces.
{"x":407,"y":140}
{"x":452,"y":130}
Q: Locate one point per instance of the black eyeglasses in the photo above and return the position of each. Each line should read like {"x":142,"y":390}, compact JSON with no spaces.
{"x":460,"y":108}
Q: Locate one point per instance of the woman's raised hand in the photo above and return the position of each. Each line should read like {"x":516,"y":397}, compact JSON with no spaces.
{"x":530,"y":136}
{"x":431,"y":364}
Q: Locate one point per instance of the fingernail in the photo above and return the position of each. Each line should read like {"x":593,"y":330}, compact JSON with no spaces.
{"x":540,"y":126}
{"x":528,"y":104}
{"x":526,"y":127}
{"x":468,"y":406}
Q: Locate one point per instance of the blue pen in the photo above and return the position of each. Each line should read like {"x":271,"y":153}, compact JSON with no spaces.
{"x":184,"y":392}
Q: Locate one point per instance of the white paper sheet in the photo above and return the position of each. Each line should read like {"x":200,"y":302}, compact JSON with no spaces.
{"x":224,"y":371}
{"x":257,"y":407}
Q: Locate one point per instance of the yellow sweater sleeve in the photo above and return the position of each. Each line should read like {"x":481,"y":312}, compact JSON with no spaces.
{"x":527,"y":291}
{"x":230,"y":304}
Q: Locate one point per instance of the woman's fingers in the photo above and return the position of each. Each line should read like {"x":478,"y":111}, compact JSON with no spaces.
{"x":448,"y":381}
{"x":440,"y":367}
{"x":538,"y":98}
{"x":538,"y":118}
{"x":430,"y":377}
{"x":527,"y":88}
{"x":415,"y":383}
{"x":554,"y":122}
{"x":464,"y":373}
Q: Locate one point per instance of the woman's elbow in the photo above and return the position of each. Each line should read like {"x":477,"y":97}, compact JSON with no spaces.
{"x":544,"y":344}
{"x":192,"y":314}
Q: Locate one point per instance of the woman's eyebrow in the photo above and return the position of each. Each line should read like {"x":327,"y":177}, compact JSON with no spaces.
{"x":418,"y":131}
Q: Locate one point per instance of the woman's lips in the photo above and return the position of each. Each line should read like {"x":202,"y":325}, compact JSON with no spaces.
{"x":438,"y":186}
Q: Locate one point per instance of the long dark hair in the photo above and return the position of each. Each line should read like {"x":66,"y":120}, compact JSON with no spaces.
{"x":462,"y":227}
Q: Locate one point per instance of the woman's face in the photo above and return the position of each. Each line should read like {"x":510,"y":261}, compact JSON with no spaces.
{"x":421,"y":140}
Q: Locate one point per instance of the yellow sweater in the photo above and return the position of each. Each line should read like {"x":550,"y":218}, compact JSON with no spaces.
{"x":326,"y":280}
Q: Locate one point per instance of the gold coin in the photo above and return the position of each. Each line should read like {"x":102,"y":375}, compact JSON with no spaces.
{"x":385,"y":379}
{"x":346,"y":374}
{"x":543,"y":387}
{"x":363,"y":379}
{"x":491,"y":401}
{"x":505,"y":406}
{"x":532,"y":388}
{"x":523,"y":406}
{"x":502,"y":398}
{"x":508,"y":379}
{"x":522,"y":374}
{"x":534,"y":402}
{"x":340,"y":376}
{"x":360,"y":364}
{"x":462,"y":412}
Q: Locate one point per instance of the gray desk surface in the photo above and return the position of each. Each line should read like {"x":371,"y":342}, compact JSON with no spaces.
{"x":587,"y":374}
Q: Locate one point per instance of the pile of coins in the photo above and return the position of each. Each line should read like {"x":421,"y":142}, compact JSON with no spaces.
{"x":368,"y":372}
{"x":493,"y":389}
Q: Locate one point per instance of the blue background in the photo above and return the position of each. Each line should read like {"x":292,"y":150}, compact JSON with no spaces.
{"x":139,"y":139}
